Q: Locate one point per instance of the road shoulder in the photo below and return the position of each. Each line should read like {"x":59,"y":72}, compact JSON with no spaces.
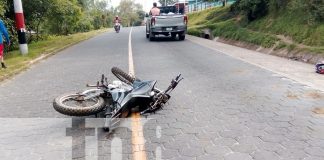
{"x":297,"y":71}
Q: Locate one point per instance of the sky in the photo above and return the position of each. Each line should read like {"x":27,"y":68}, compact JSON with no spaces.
{"x":147,"y":4}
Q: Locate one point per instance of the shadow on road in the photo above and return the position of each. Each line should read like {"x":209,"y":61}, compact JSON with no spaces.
{"x":165,"y":39}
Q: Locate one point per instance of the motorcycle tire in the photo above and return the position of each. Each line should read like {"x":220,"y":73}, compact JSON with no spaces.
{"x":81,"y":109}
{"x":122,"y":76}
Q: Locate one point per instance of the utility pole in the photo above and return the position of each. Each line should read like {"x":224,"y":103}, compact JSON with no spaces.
{"x":20,"y":26}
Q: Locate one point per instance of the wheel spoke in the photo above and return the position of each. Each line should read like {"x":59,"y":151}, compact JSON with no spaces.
{"x":73,"y":101}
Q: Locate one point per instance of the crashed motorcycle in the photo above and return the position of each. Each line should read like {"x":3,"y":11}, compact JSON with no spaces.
{"x":116,"y":100}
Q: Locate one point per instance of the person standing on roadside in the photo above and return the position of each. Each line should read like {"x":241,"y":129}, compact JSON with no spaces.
{"x":4,"y":32}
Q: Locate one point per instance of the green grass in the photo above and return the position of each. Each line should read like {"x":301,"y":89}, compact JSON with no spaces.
{"x":194,"y":31}
{"x":316,"y":50}
{"x":17,"y":62}
{"x":291,"y":25}
{"x":291,"y":47}
{"x":263,"y":31}
{"x":198,"y":18}
{"x":229,"y":30}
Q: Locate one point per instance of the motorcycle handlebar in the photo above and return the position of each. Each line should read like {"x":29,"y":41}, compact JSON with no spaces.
{"x":177,"y":78}
{"x":174,"y":83}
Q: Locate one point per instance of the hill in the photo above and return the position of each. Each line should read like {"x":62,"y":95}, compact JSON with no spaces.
{"x":291,"y":30}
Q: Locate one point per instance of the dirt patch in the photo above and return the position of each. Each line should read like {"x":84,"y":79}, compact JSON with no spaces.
{"x":314,"y":95}
{"x":291,"y":95}
{"x":239,"y":71}
{"x":318,"y":110}
{"x":289,"y":40}
{"x":238,"y":43}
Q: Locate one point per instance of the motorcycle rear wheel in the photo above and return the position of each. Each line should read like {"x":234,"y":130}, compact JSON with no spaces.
{"x":68,"y":104}
{"x":122,"y":76}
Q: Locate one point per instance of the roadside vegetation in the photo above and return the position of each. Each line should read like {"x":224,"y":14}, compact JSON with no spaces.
{"x":52,"y":25}
{"x":294,"y":25}
{"x":45,"y":18}
{"x":40,"y":50}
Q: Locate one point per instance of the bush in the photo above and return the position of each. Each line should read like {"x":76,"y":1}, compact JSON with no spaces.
{"x":291,"y":47}
{"x":194,"y":32}
{"x":83,"y":26}
{"x":290,"y":18}
{"x":252,"y":9}
{"x":316,"y":9}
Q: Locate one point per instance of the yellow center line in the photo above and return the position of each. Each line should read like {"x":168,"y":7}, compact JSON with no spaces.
{"x":137,"y":128}
{"x":138,"y":144}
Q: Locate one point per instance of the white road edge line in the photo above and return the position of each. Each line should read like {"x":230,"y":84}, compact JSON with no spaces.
{"x":131,"y":69}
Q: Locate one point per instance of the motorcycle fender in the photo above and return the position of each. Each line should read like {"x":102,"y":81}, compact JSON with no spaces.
{"x":141,"y":96}
{"x":92,"y":93}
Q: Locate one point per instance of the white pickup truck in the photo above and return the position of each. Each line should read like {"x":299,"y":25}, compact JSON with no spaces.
{"x":168,"y":23}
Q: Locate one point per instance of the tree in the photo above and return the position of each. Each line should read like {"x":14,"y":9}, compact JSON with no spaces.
{"x":316,"y":9}
{"x":102,"y":16}
{"x":2,"y":8}
{"x":86,"y":4}
{"x":252,"y":9}
{"x":63,"y":16}
{"x":35,"y":13}
{"x":7,"y":11}
{"x":129,"y":11}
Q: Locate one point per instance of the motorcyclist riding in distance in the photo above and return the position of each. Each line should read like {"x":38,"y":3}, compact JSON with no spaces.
{"x":117,"y":24}
{"x":117,"y":20}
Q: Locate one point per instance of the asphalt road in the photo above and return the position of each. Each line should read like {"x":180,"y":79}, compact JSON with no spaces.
{"x":224,"y":109}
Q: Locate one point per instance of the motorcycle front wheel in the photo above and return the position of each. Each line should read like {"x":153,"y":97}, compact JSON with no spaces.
{"x":74,"y":105}
{"x":122,"y":76}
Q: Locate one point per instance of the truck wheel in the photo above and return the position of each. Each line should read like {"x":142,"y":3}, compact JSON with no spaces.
{"x":173,"y":36}
{"x":152,"y":36}
{"x":182,"y":37}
